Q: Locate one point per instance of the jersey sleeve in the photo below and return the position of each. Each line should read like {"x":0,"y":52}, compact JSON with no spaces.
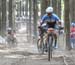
{"x":56,"y":17}
{"x":43,"y":19}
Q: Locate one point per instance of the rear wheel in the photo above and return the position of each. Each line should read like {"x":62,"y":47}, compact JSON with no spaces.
{"x":40,"y":46}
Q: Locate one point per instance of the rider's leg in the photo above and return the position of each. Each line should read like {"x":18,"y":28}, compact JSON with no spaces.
{"x":55,"y":36}
{"x":55,"y":40}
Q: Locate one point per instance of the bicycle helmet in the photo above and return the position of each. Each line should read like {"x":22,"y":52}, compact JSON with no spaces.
{"x":73,"y":24}
{"x":9,"y":29}
{"x":49,"y":10}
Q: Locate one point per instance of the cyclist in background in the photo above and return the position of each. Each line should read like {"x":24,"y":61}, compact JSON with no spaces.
{"x":72,"y":34}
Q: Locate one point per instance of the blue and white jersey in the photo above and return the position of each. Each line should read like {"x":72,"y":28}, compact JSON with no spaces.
{"x":52,"y":18}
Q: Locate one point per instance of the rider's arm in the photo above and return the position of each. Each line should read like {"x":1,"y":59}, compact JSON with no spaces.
{"x":58,"y":21}
{"x":43,"y":20}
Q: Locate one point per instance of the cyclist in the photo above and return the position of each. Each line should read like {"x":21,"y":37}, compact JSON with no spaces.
{"x":72,"y":34}
{"x":53,"y":20}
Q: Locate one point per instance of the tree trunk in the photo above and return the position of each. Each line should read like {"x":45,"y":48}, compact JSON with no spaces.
{"x":72,"y":10}
{"x":0,"y":15}
{"x":26,"y":15}
{"x":54,"y":5}
{"x":35,"y":18}
{"x":11,"y":13}
{"x":20,"y":8}
{"x":30,"y":13}
{"x":44,"y":5}
{"x":67,"y":24}
{"x":59,"y":8}
{"x":3,"y":25}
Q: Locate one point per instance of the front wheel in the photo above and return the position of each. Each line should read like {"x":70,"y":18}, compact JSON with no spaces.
{"x":50,"y":41}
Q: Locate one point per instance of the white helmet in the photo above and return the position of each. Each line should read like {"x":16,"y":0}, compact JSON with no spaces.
{"x":49,"y":10}
{"x":73,"y":24}
{"x":9,"y":28}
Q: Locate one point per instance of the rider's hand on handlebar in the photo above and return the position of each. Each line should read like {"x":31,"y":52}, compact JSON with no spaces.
{"x":39,"y":27}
